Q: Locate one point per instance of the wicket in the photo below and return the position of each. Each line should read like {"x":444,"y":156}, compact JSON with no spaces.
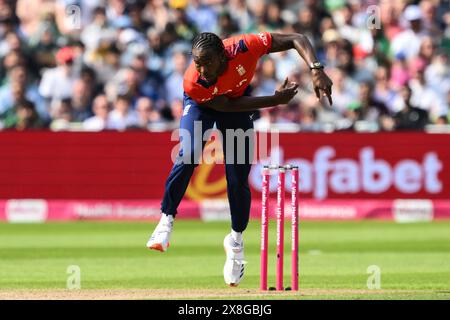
{"x":280,"y":225}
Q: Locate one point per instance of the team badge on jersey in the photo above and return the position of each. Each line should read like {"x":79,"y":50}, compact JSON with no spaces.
{"x":240,"y":69}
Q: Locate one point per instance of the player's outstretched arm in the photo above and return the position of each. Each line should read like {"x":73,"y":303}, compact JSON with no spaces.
{"x":321,"y":82}
{"x":245,"y":103}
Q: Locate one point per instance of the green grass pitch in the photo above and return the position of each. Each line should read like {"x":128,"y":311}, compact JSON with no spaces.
{"x":414,"y":259}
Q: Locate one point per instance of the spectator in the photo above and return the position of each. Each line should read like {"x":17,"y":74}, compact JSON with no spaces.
{"x":309,"y":121}
{"x":382,"y":46}
{"x":138,"y":49}
{"x":157,"y":51}
{"x":57,"y":83}
{"x":390,"y":20}
{"x":62,"y":115}
{"x":176,"y":108}
{"x":272,"y":18}
{"x":137,"y":20}
{"x":122,"y":115}
{"x":306,"y":24}
{"x":366,"y":109}
{"x":331,"y":40}
{"x":97,"y":30}
{"x":44,"y":47}
{"x":117,"y":10}
{"x":11,"y":42}
{"x":267,"y":82}
{"x":89,"y":76}
{"x":430,"y":19}
{"x":7,"y":9}
{"x":105,"y":61}
{"x":361,"y":38}
{"x":400,"y":74}
{"x":410,"y":117}
{"x":258,"y":9}
{"x":292,"y":112}
{"x":382,"y":91}
{"x":157,"y":13}
{"x":19,"y":78}
{"x":28,"y":20}
{"x":424,"y":96}
{"x":175,"y":80}
{"x":100,"y":120}
{"x":202,"y":15}
{"x":151,"y":81}
{"x":240,"y":13}
{"x":125,"y":82}
{"x":408,"y":42}
{"x":22,"y":116}
{"x":318,"y":10}
{"x":11,"y":59}
{"x":437,"y":74}
{"x":17,"y":94}
{"x":427,"y":49}
{"x":442,"y":120}
{"x":227,"y":26}
{"x":267,"y":117}
{"x":147,"y":114}
{"x":287,"y":63}
{"x":343,"y":90}
{"x":184,"y":28}
{"x":81,"y":102}
{"x":130,"y":43}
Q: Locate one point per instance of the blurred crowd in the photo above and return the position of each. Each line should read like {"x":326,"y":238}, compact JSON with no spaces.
{"x":119,"y":64}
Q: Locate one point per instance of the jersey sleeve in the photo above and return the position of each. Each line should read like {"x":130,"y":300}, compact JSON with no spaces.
{"x":196,"y":92}
{"x":259,"y":44}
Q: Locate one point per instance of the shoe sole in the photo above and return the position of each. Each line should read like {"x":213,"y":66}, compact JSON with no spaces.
{"x":158,"y":247}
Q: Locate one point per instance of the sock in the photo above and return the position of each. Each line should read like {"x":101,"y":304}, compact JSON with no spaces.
{"x":166,"y":218}
{"x":237,"y":236}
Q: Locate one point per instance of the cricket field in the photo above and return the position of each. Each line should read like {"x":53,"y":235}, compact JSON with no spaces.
{"x":109,"y":260}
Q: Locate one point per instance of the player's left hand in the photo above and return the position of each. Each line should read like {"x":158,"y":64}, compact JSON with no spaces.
{"x":322,"y":84}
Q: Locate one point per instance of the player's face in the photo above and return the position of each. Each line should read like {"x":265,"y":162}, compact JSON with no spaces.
{"x":208,"y":63}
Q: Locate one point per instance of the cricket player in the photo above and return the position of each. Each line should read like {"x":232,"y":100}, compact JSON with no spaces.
{"x":216,"y":91}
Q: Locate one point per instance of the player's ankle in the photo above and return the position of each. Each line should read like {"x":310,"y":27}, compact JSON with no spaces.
{"x":167,"y":218}
{"x":236,"y":236}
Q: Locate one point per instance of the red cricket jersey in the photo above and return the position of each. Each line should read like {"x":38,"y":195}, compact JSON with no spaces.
{"x":243,"y":52}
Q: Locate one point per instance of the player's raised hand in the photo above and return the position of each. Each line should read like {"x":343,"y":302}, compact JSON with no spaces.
{"x":286,"y":92}
{"x":322,"y":85}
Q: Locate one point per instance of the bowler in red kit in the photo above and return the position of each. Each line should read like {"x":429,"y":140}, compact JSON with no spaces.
{"x":217,"y":92}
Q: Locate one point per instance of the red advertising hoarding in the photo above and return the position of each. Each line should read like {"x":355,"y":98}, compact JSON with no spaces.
{"x":336,"y":170}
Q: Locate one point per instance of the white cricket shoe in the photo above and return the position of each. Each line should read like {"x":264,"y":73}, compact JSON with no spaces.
{"x":233,"y":270}
{"x":161,"y":236}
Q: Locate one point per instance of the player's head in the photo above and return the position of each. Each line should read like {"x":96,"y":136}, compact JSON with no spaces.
{"x":208,"y":53}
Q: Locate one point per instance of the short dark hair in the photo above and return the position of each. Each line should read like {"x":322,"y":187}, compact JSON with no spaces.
{"x":99,"y":10}
{"x":124,"y":97}
{"x":25,"y":104}
{"x":208,"y":41}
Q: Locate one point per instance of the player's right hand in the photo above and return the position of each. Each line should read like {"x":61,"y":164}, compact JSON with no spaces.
{"x":286,"y":92}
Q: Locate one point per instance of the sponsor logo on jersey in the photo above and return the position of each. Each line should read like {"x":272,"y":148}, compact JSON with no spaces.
{"x":263,"y":38}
